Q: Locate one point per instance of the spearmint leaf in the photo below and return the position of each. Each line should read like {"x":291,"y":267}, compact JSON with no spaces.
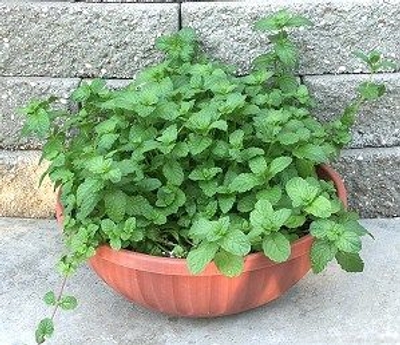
{"x":50,"y":298}
{"x":280,"y":217}
{"x":173,"y":172}
{"x":273,"y":195}
{"x":219,"y":124}
{"x":115,"y":205}
{"x":200,"y":229}
{"x":229,"y":264}
{"x":297,"y":21}
{"x":311,"y":152}
{"x":236,"y":138}
{"x":300,"y":191}
{"x":226,"y":202}
{"x":286,"y":52}
{"x":149,"y":184}
{"x":246,"y":204}
{"x":295,"y":221}
{"x":321,"y":253}
{"x":279,"y":164}
{"x":99,"y":165}
{"x":371,"y":90}
{"x":320,"y":207}
{"x":181,"y":149}
{"x":277,"y":247}
{"x":258,"y":165}
{"x":115,"y":243}
{"x":244,"y":182}
{"x":107,"y":126}
{"x":236,"y":242}
{"x":114,"y":175}
{"x":68,"y":303}
{"x":350,"y":262}
{"x":108,"y":226}
{"x":321,"y":228}
{"x":130,"y":225}
{"x":169,"y":135}
{"x":87,"y":196}
{"x":349,"y":242}
{"x":197,"y":144}
{"x":37,"y":123}
{"x":209,"y":188}
{"x":356,"y":227}
{"x":361,"y":55}
{"x":44,"y":330}
{"x":107,"y":140}
{"x":201,"y":256}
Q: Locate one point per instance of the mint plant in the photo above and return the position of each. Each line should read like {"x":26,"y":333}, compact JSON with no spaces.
{"x":192,"y":161}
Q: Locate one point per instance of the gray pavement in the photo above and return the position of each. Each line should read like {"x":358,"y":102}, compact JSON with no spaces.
{"x":331,"y":308}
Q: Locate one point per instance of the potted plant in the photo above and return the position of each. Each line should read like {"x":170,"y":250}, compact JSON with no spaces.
{"x":198,"y":192}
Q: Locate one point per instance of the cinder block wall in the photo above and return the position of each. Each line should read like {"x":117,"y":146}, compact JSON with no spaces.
{"x":50,"y":47}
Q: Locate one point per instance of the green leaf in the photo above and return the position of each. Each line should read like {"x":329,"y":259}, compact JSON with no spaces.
{"x":258,"y":165}
{"x":173,"y":172}
{"x":320,"y":207}
{"x":273,"y":195}
{"x":197,"y":144}
{"x":228,"y":264}
{"x":286,"y":52}
{"x":44,"y":330}
{"x":371,"y":91}
{"x":277,"y":247}
{"x":236,"y":138}
{"x":321,"y":253}
{"x":149,"y":184}
{"x":349,"y":242}
{"x":301,"y":192}
{"x":246,"y":204}
{"x":50,"y":298}
{"x":107,"y":140}
{"x":200,"y":229}
{"x":68,"y":303}
{"x":87,"y":196}
{"x":280,"y":217}
{"x":169,"y":135}
{"x":115,"y":205}
{"x":115,"y":243}
{"x":311,"y":152}
{"x":361,"y":55}
{"x":298,"y":21}
{"x":278,"y":165}
{"x":321,"y":228}
{"x":219,"y":124}
{"x":236,"y":242}
{"x":37,"y":123}
{"x":226,"y":202}
{"x":350,"y":262}
{"x":244,"y":182}
{"x":199,"y":257}
{"x":295,"y":221}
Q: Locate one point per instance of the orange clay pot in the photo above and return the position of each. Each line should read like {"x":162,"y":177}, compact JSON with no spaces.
{"x":166,"y":285}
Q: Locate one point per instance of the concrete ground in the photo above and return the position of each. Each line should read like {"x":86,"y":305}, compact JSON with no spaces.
{"x":331,"y":308}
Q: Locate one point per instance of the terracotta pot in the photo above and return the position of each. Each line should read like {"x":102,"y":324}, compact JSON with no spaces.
{"x":166,"y":285}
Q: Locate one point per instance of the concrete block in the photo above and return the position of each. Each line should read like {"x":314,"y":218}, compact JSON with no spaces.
{"x":81,"y":40}
{"x":372,"y":177}
{"x":341,"y":26}
{"x":20,"y":195}
{"x":15,"y":93}
{"x":378,"y":123}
